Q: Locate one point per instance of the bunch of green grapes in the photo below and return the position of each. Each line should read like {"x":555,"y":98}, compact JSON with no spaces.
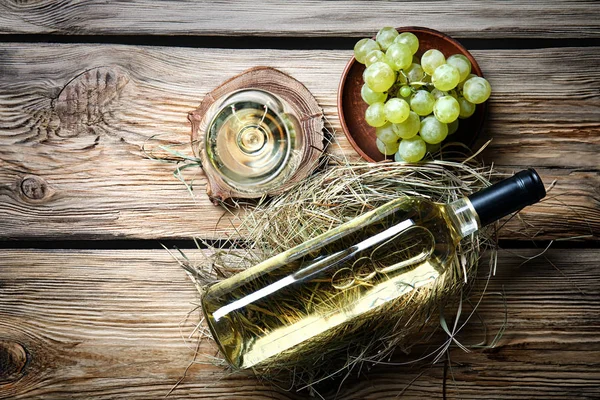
{"x":415,"y":104}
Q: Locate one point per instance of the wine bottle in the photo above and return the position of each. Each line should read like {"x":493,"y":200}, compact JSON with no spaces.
{"x":351,"y":270}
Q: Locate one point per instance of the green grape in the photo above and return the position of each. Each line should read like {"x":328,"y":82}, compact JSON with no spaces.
{"x":364,"y":47}
{"x":370,"y":96}
{"x":432,"y":59}
{"x":437,"y":93}
{"x":411,"y":150}
{"x":405,"y":91}
{"x":433,"y":131}
{"x":396,"y":110}
{"x":422,"y":102}
{"x":408,"y":39}
{"x":446,"y":109}
{"x":414,"y":73}
{"x":379,"y":76}
{"x":389,"y":62}
{"x":387,"y":148}
{"x":373,"y":57}
{"x":397,"y":157}
{"x":445,"y":77}
{"x":466,"y":108}
{"x":452,"y":127}
{"x":477,"y":90}
{"x":462,"y":64}
{"x":399,"y":55}
{"x":405,"y":98}
{"x":386,"y":134}
{"x":385,"y":37}
{"x":375,"y":115}
{"x":409,"y":128}
{"x":460,"y":85}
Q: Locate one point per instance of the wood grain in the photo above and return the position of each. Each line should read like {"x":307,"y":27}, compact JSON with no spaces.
{"x":107,"y":324}
{"x":73,"y":119}
{"x":490,"y":19}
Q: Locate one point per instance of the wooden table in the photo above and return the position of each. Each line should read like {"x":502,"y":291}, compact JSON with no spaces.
{"x":92,"y":306}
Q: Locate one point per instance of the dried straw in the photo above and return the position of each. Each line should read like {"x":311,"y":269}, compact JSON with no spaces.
{"x":334,"y":195}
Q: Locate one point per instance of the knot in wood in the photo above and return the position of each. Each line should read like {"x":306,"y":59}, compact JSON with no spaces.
{"x":13,"y":359}
{"x":89,"y":100}
{"x":34,"y":187}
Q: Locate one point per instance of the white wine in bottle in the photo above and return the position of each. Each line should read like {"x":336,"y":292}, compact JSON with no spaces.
{"x":351,"y":270}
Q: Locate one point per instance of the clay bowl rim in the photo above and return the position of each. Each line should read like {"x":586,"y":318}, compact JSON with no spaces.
{"x":413,"y":29}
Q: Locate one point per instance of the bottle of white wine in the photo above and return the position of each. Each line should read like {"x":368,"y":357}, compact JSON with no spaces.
{"x":351,"y":270}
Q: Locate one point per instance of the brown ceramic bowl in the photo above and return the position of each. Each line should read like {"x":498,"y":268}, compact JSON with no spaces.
{"x":351,"y":107}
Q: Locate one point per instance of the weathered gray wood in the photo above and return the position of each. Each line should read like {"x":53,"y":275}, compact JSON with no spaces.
{"x":490,"y":19}
{"x":108,"y":324}
{"x":74,"y":117}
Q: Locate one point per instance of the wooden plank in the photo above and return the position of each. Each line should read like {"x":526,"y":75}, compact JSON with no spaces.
{"x":73,"y":119}
{"x":492,"y":19}
{"x":106,"y":324}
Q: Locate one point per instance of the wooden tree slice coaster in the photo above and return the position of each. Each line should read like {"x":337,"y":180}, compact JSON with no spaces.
{"x":302,"y":141}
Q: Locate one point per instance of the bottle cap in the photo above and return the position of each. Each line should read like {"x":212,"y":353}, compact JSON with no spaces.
{"x":507,"y":196}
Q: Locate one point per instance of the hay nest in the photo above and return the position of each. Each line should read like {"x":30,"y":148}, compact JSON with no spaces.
{"x":334,"y":195}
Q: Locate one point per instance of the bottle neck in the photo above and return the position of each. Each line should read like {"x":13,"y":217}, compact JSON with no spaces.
{"x":507,"y":196}
{"x":469,"y":214}
{"x":463,"y":217}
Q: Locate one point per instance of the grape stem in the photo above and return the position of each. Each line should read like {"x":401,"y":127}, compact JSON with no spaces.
{"x":415,"y":83}
{"x":404,"y":75}
{"x":420,"y":83}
